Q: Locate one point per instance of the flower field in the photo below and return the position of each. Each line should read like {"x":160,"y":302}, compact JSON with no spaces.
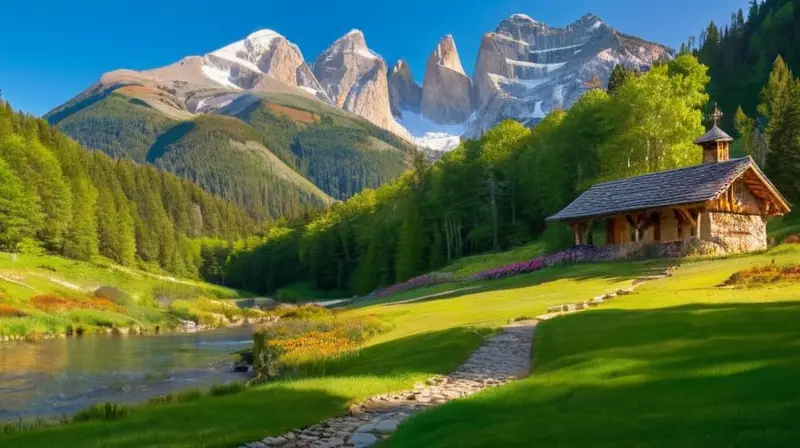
{"x":305,"y":344}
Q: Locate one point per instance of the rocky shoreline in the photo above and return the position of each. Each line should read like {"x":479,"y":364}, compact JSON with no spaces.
{"x":185,"y":326}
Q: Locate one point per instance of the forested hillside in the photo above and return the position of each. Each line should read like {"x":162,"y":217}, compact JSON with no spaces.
{"x":752,"y":62}
{"x":490,"y":193}
{"x":259,"y":150}
{"x":340,"y":153}
{"x":56,"y":196}
{"x":740,"y":54}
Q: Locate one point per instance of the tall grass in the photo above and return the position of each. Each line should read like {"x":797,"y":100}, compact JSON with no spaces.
{"x":306,"y":343}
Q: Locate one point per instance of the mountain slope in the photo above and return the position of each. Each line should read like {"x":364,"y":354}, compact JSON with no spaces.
{"x":155,"y":117}
{"x":226,"y":157}
{"x":339,"y":152}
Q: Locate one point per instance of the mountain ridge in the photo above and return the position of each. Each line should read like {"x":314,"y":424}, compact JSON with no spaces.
{"x":346,"y":121}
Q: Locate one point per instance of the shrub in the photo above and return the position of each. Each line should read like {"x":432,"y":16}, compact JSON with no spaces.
{"x":763,"y":275}
{"x":305,"y":312}
{"x":113,"y":294}
{"x":11,"y":311}
{"x":266,"y":357}
{"x":105,"y":411}
{"x":294,"y":344}
{"x":792,"y":239}
{"x":229,"y":388}
{"x":55,"y":304}
{"x":51,"y":304}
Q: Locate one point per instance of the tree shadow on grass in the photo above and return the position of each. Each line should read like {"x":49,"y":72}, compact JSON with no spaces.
{"x":208,"y":422}
{"x":427,"y":354}
{"x":266,"y":410}
{"x":695,"y":375}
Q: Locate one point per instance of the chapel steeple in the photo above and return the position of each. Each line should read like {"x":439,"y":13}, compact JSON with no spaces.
{"x":716,"y":143}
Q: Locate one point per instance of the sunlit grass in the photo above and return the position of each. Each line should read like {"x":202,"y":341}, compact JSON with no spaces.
{"x":683,"y":362}
{"x":467,"y":266}
{"x":55,"y":296}
{"x":428,"y":337}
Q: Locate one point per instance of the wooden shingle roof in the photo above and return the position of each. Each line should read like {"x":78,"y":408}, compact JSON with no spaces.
{"x":694,"y":184}
{"x":715,"y":134}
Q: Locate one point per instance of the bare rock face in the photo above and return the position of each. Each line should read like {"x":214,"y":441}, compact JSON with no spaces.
{"x":356,"y":79}
{"x":527,"y":68}
{"x":264,"y":54}
{"x":446,"y":89}
{"x":404,"y":92}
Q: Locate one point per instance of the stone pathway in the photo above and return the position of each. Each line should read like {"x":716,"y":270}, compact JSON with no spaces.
{"x":500,"y":359}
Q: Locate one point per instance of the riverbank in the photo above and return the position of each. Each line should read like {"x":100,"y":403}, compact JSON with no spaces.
{"x":428,"y":338}
{"x":45,"y":297}
{"x":61,"y":377}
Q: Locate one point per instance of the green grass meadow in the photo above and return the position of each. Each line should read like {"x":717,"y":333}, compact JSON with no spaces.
{"x":682,"y":362}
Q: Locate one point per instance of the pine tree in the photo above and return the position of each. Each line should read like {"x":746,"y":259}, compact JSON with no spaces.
{"x":781,"y":106}
{"x":410,"y":246}
{"x":619,"y":75}
{"x":81,"y":241}
{"x":18,"y":210}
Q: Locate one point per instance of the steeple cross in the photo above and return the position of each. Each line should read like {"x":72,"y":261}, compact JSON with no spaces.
{"x":717,"y":115}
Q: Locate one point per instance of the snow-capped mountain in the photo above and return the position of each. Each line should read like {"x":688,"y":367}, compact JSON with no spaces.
{"x":245,"y":63}
{"x":527,"y":68}
{"x":524,"y":69}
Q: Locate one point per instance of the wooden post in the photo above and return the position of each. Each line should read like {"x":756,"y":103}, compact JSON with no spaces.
{"x":656,"y":219}
{"x":610,"y":231}
{"x":697,"y":225}
{"x":577,"y":232}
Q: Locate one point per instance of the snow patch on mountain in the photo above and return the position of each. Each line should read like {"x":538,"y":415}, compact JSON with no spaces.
{"x":546,"y":67}
{"x":548,"y":50}
{"x":220,"y":76}
{"x":427,"y":134}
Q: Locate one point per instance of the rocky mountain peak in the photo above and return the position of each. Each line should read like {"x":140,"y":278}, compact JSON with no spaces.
{"x":446,"y":89}
{"x":356,"y":79}
{"x":446,"y":54}
{"x":526,"y":68}
{"x":404,"y":93}
{"x":339,"y":68}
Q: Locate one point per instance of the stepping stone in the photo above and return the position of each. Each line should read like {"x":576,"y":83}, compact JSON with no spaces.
{"x":363,"y":439}
{"x":274,"y":441}
{"x":386,"y":426}
{"x":369,"y":427}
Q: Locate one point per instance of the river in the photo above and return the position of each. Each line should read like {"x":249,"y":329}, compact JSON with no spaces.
{"x":63,"y":376}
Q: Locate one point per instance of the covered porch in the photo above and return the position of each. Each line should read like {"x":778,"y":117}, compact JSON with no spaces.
{"x":657,"y":225}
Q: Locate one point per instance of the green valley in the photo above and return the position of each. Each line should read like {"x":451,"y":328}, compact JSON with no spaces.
{"x":584,"y":239}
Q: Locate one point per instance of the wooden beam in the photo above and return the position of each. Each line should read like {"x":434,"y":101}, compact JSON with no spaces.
{"x":687,"y":216}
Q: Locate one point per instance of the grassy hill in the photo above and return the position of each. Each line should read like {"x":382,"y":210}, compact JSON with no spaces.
{"x":684,"y":362}
{"x":44,"y":296}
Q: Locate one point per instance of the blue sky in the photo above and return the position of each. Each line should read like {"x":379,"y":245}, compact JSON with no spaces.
{"x":50,"y":50}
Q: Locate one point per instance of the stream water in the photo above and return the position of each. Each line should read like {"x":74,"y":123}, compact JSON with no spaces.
{"x":63,"y":376}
